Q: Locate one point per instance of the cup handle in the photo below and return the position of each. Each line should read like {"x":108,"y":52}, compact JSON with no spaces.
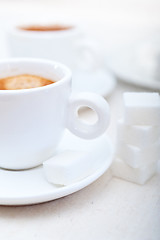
{"x":89,"y":55}
{"x":81,"y":128}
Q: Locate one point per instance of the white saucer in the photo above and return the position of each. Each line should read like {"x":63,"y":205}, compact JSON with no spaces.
{"x":31,"y":187}
{"x":136,"y":64}
{"x":100,"y":81}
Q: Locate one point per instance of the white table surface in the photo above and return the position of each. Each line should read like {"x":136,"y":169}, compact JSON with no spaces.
{"x":105,"y":210}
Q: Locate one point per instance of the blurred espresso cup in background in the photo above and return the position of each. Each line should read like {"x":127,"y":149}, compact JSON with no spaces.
{"x":36,"y":106}
{"x":65,"y":43}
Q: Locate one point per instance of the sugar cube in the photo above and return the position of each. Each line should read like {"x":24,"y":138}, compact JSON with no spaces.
{"x":141,"y":108}
{"x":68,"y":167}
{"x":138,"y":157}
{"x":136,"y":175}
{"x":137,"y":135}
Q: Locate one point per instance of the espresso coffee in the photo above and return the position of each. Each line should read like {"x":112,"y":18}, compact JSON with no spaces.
{"x":45,"y":28}
{"x":24,"y":81}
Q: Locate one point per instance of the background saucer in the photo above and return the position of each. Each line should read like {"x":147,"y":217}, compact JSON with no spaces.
{"x":138,"y":63}
{"x":100,"y":81}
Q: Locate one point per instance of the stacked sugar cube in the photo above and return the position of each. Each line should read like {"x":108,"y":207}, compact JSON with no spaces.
{"x":138,"y":138}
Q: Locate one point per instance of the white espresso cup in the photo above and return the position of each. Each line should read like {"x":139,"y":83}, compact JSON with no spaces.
{"x":33,"y":120}
{"x":68,"y":46}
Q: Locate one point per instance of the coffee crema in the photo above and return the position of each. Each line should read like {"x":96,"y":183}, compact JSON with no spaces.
{"x":45,"y":28}
{"x":24,"y":81}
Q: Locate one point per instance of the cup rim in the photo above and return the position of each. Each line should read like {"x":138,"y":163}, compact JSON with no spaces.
{"x":67,"y":75}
